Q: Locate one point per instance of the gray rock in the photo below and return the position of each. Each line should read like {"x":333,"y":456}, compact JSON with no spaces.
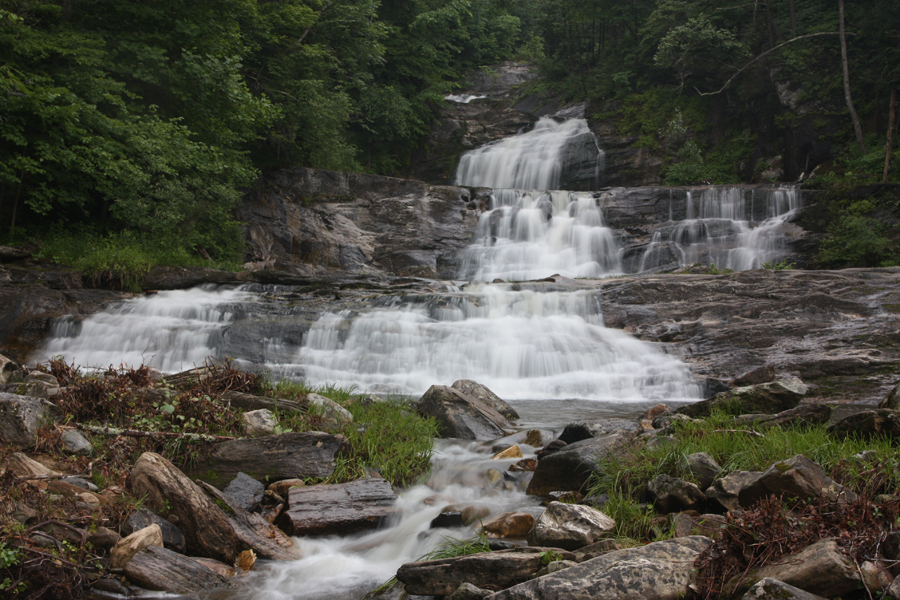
{"x":45,"y":384}
{"x":481,"y":392}
{"x":796,"y":477}
{"x":460,"y":415}
{"x":76,"y":443}
{"x":805,"y":414}
{"x":467,"y":591}
{"x":570,"y":526}
{"x":671,"y":494}
{"x":575,"y":432}
{"x":765,"y":398}
{"x":702,"y":467}
{"x":821,"y":568}
{"x":556,"y":565}
{"x":709,"y":525}
{"x":868,"y":423}
{"x":571,"y":467}
{"x":82,"y":483}
{"x":726,"y":490}
{"x":258,"y":423}
{"x":891,"y":401}
{"x":658,"y":571}
{"x":772,"y":589}
{"x":329,"y":409}
{"x":763,"y":374}
{"x":340,"y":508}
{"x":21,"y":417}
{"x":501,"y":569}
{"x":7,"y":368}
{"x":162,"y":570}
{"x":245,"y":491}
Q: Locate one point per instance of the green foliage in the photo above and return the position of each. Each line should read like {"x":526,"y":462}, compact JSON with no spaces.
{"x":861,"y":233}
{"x":784,"y":265}
{"x":9,"y":557}
{"x":452,"y":548}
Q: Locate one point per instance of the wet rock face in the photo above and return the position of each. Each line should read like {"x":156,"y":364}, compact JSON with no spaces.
{"x":324,"y":220}
{"x":460,"y":415}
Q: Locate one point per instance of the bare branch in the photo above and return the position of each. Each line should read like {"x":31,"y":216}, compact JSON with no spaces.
{"x":769,"y":51}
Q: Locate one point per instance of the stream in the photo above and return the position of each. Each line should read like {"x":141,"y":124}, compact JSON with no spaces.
{"x":543,"y":347}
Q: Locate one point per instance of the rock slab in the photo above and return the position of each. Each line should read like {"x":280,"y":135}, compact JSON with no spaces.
{"x":570,"y":526}
{"x":460,"y":415}
{"x":340,"y":508}
{"x":658,"y":571}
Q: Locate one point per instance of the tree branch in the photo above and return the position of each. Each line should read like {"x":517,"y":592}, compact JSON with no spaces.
{"x":193,"y":437}
{"x":769,"y":51}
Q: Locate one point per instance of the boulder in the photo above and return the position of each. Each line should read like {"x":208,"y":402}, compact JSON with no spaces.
{"x":329,"y":409}
{"x":254,"y":531}
{"x":271,"y":458}
{"x":728,"y":489}
{"x":41,"y":385}
{"x":671,"y":494}
{"x":206,"y":527}
{"x":655,"y":411}
{"x":21,"y":417}
{"x":805,"y":414}
{"x":447,"y":518}
{"x":128,"y":546}
{"x":891,"y":401}
{"x":797,"y":477}
{"x":250,"y":402}
{"x":763,"y":374}
{"x":258,"y":423}
{"x":526,"y":464}
{"x":330,"y":509}
{"x":583,"y":430}
{"x":658,"y":571}
{"x":508,"y":525}
{"x":75,"y":443}
{"x":821,"y":568}
{"x":570,"y":526}
{"x":570,"y":467}
{"x":7,"y":368}
{"x":467,"y":591}
{"x":765,"y":398}
{"x":172,"y":537}
{"x":772,"y":589}
{"x":486,"y":569}
{"x":158,"y":569}
{"x":460,"y":415}
{"x":481,"y":392}
{"x":104,"y":538}
{"x":868,"y":423}
{"x":709,"y":525}
{"x":23,"y":466}
{"x":245,"y":491}
{"x":702,"y":467}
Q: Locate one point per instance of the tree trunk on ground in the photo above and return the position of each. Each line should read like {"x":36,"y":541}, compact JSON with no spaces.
{"x":892,"y":120}
{"x":856,"y":126}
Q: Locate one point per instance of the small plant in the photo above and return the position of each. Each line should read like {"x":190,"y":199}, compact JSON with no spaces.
{"x":10,"y":557}
{"x":784,"y":265}
{"x":549,"y":556}
{"x":713,"y":270}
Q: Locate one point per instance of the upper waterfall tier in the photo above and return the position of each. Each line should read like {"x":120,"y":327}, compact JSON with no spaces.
{"x":546,"y":158}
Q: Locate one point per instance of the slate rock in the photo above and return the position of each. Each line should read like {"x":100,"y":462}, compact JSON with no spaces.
{"x":460,"y":415}
{"x":75,"y":443}
{"x":796,"y":477}
{"x":671,"y":494}
{"x":891,"y":401}
{"x":763,"y":374}
{"x":657,"y":571}
{"x":805,"y":414}
{"x":726,"y":490}
{"x":467,"y":591}
{"x":172,"y":537}
{"x":686,"y":524}
{"x":7,"y":368}
{"x":329,"y":409}
{"x":868,"y":423}
{"x":158,"y":569}
{"x":765,"y":398}
{"x":481,"y":392}
{"x":570,"y":467}
{"x":341,"y":508}
{"x":245,"y":491}
{"x":270,"y":458}
{"x":702,"y":467}
{"x":570,"y":526}
{"x":21,"y":417}
{"x":772,"y":589}
{"x":258,"y":423}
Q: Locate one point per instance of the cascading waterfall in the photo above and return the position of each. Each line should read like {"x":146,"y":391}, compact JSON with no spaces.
{"x":731,"y":227}
{"x":534,"y":160}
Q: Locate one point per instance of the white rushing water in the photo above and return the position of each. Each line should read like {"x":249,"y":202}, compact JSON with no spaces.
{"x":730,"y":227}
{"x":530,"y":161}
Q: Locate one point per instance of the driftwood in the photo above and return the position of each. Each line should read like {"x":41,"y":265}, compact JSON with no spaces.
{"x":191,"y":437}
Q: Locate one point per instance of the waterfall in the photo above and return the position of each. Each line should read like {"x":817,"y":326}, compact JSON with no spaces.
{"x":729,"y":227}
{"x":536,"y":160}
{"x":530,"y":235}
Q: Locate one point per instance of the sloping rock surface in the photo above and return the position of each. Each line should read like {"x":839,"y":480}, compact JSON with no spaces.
{"x":460,"y":415}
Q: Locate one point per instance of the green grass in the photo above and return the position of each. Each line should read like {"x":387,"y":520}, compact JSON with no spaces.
{"x":121,"y":259}
{"x":623,"y":478}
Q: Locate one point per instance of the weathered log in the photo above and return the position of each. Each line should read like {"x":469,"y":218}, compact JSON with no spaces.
{"x":156,"y":568}
{"x":191,"y":437}
{"x":251,"y":402}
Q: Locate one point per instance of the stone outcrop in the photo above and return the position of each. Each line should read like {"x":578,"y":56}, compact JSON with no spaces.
{"x":658,"y":571}
{"x":274,"y":457}
{"x":495,"y":569}
{"x":570,"y":526}
{"x":460,"y":415}
{"x":764,"y":398}
{"x":337,"y":509}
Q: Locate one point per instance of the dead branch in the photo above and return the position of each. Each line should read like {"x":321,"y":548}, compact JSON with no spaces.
{"x":191,"y":437}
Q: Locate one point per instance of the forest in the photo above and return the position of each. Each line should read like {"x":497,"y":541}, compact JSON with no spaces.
{"x":136,"y":126}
